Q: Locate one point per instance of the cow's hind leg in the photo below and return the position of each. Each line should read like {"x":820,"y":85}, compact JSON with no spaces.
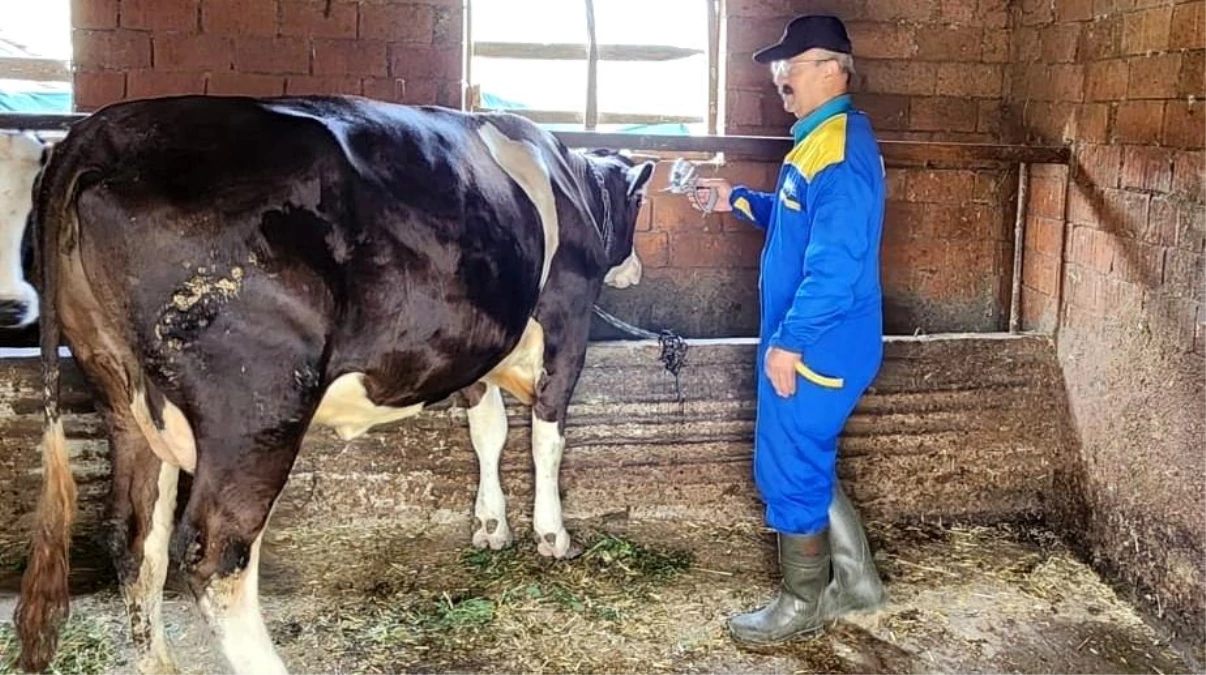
{"x":488,"y":431}
{"x":143,"y":501}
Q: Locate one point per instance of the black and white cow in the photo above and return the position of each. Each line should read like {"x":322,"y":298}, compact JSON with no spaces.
{"x":20,"y":161}
{"x":229,"y":271}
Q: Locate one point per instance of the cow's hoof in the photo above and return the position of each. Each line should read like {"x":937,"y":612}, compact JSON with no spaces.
{"x":494,"y":534}
{"x":557,"y":545}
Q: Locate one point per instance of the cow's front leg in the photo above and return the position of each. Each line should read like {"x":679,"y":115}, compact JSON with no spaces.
{"x":548,"y":442}
{"x":488,"y":431}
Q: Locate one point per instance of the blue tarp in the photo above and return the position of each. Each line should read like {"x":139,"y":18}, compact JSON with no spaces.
{"x":17,"y":100}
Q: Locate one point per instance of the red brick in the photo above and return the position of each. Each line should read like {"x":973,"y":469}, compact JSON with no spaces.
{"x":1093,"y":123}
{"x":1189,"y":173}
{"x":350,"y":57}
{"x":272,"y":55}
{"x":1154,"y":76}
{"x":239,"y":18}
{"x":673,"y":213}
{"x":1106,"y":80}
{"x":957,"y":11}
{"x":1147,"y":168}
{"x":993,"y":13}
{"x":980,"y":222}
{"x":755,"y":34}
{"x":1101,"y":39}
{"x":1101,"y":165}
{"x":1080,"y":246}
{"x":1040,"y":272}
{"x":1191,"y":227}
{"x":1037,"y":12}
{"x":1120,"y":298}
{"x":1068,"y":82}
{"x":1051,"y":122}
{"x":989,"y":117}
{"x":881,"y":40}
{"x":243,"y":84}
{"x":1192,"y":79}
{"x":887,"y":111}
{"x":1081,"y":205}
{"x":178,"y":15}
{"x":1125,"y":213}
{"x":1147,"y":30}
{"x":319,"y":18}
{"x":733,"y":249}
{"x":1162,"y":223}
{"x":1183,"y":273}
{"x":448,"y":27}
{"x":944,"y":114}
{"x":996,"y":46}
{"x":1073,"y":10}
{"x":1138,"y":122}
{"x":1038,"y":311}
{"x":424,"y":62}
{"x":940,"y":186}
{"x":1101,"y":253}
{"x":1048,"y":235}
{"x":111,"y":49}
{"x":397,"y":22}
{"x":969,"y":79}
{"x":93,"y":14}
{"x":385,"y":88}
{"x":653,"y":248}
{"x":1188,"y":26}
{"x":950,"y":43}
{"x":1060,"y":41}
{"x":150,"y":83}
{"x":93,"y":89}
{"x":1184,"y":125}
{"x":904,"y":10}
{"x":899,"y":77}
{"x":1139,"y":263}
{"x":1046,"y":197}
{"x":1027,"y":44}
{"x":178,"y":51}
{"x":420,"y":91}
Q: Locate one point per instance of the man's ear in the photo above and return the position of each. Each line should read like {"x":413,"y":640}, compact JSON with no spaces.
{"x":638,"y":176}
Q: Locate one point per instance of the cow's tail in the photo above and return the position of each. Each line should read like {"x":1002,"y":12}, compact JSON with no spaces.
{"x":44,"y":603}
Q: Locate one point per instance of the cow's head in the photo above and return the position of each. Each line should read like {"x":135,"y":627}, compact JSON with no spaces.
{"x":622,"y":183}
{"x":20,"y":161}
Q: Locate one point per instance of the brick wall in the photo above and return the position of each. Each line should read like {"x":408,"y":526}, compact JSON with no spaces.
{"x":928,"y":70}
{"x":1124,"y":82}
{"x":399,"y":51}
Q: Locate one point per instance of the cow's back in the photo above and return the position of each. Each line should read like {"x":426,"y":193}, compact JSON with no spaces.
{"x":384,"y":231}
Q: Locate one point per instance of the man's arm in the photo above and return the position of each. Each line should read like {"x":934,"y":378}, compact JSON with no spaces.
{"x":834,"y":259}
{"x":752,"y":206}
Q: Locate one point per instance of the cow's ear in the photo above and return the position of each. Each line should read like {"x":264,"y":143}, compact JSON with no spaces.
{"x":638,"y":176}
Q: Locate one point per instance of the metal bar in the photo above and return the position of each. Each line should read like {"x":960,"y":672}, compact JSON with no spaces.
{"x":1063,"y":243}
{"x":1019,"y":244}
{"x":769,"y":148}
{"x":575,"y":117}
{"x":713,"y":66}
{"x":592,"y":68}
{"x":570,"y":51}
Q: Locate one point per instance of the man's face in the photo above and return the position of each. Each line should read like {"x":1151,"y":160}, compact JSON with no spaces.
{"x":802,"y":81}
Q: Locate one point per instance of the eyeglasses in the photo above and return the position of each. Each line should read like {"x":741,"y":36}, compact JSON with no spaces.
{"x":781,"y":68}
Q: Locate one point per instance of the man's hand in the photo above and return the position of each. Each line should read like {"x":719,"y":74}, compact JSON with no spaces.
{"x":723,"y":190}
{"x":780,"y":367}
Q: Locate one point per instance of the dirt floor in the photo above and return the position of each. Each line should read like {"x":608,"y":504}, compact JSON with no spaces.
{"x":645,"y":599}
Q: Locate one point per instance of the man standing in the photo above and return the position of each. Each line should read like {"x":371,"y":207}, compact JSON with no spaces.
{"x":821,"y":329}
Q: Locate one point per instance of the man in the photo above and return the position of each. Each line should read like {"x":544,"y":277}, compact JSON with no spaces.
{"x":821,"y":329}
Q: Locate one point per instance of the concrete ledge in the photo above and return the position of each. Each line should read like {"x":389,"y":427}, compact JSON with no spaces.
{"x":957,"y":427}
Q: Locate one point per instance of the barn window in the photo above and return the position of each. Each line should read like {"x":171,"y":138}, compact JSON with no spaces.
{"x":628,"y":66}
{"x":35,"y":57}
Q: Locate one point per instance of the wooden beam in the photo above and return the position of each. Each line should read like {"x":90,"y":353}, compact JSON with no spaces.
{"x":569,"y":51}
{"x":39,"y":70}
{"x":770,"y":148}
{"x":592,"y":68}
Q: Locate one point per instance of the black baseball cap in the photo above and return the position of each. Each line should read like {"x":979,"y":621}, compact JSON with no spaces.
{"x":804,"y":33}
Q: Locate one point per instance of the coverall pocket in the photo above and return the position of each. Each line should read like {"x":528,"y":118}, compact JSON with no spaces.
{"x":818,"y":379}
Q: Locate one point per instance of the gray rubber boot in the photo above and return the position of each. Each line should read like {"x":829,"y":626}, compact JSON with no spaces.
{"x":856,"y":585}
{"x":804,"y":562}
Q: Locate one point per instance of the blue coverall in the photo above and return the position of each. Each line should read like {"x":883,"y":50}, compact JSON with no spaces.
{"x":820,"y":297}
